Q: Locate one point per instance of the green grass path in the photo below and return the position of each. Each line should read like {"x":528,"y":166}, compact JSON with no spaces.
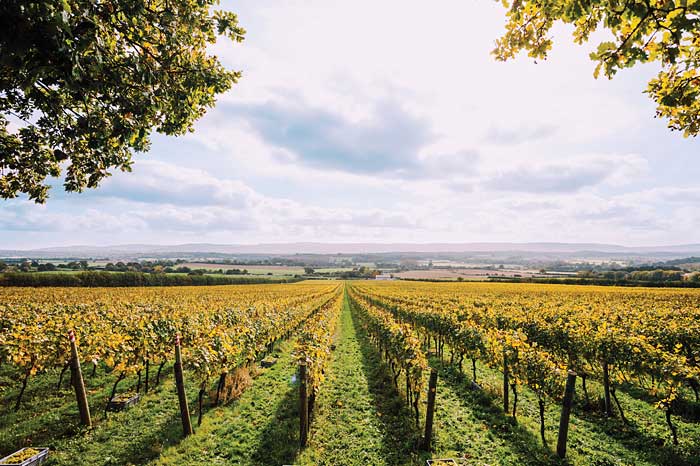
{"x":49,"y":418}
{"x":473,"y":423}
{"x":470,"y":424}
{"x":261,"y":428}
{"x":359,"y":417}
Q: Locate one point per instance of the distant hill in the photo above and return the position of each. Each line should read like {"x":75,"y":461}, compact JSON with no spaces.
{"x":567,"y":249}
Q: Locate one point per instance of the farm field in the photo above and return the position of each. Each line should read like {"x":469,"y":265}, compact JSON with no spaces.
{"x":465,"y":273}
{"x":262,"y":271}
{"x":259,"y":269}
{"x":367,"y":349}
{"x":275,"y":270}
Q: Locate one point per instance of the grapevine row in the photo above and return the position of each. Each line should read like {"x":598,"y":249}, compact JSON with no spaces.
{"x":398,"y":343}
{"x":312,"y":351}
{"x":537,"y":346}
{"x":126,"y":331}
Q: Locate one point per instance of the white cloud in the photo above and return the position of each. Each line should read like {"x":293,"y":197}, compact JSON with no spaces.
{"x":568,"y":174}
{"x":390,"y":121}
{"x":160,"y":182}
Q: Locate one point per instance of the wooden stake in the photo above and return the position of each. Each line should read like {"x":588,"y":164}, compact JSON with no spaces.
{"x":148,"y":365}
{"x":565,"y":414}
{"x":78,"y":384}
{"x":181,"y":395}
{"x":430,"y":413}
{"x":303,"y":407}
{"x":606,"y":389}
{"x":506,"y":385}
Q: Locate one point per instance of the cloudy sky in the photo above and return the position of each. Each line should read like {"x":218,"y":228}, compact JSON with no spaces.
{"x":389,"y":121}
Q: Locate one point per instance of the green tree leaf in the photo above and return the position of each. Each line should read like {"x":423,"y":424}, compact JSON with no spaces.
{"x":85,"y":84}
{"x":662,"y":31}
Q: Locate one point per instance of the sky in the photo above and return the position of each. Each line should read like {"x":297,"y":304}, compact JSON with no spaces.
{"x":390,"y":121}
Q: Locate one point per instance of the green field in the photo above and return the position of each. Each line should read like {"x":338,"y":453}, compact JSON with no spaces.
{"x":275,"y":270}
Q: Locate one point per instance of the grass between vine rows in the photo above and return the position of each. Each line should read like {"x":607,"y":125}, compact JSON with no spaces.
{"x":259,"y":428}
{"x":49,"y":418}
{"x":360,"y":419}
{"x":472,"y":423}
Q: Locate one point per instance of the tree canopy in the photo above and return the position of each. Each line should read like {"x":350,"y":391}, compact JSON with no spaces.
{"x":84,"y":83}
{"x":663,"y":31}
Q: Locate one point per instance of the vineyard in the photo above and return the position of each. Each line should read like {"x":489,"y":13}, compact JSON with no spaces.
{"x":361,"y":372}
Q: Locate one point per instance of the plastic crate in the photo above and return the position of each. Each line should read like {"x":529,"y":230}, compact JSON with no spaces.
{"x":38,"y":458}
{"x":121,"y":405}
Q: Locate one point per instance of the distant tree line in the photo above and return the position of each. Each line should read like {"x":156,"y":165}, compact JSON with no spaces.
{"x":362,"y":272}
{"x":25,"y":265}
{"x":357,"y":273}
{"x":167,"y":267}
{"x":643,"y":274}
{"x":647,"y":277}
{"x":158,"y":266}
{"x":692,"y":282}
{"x":108,"y":279}
{"x":270,"y":261}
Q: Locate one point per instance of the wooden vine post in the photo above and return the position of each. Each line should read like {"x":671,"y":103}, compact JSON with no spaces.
{"x":181,"y":395}
{"x":506,"y":385}
{"x":606,"y":388}
{"x":78,"y":383}
{"x":430,"y":413}
{"x":303,"y":406}
{"x":565,"y":414}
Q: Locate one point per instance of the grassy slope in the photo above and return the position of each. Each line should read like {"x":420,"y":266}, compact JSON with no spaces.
{"x":359,"y":417}
{"x":49,"y":418}
{"x":489,"y":436}
{"x":260,"y":428}
{"x":471,"y":424}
